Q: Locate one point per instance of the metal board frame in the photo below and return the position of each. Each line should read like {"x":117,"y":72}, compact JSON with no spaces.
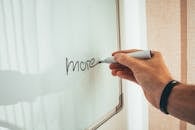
{"x":119,"y":106}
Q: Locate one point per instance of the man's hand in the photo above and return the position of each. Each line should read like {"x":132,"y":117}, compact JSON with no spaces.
{"x":151,"y":74}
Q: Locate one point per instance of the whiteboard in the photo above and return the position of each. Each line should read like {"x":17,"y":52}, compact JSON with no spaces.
{"x":48,"y":49}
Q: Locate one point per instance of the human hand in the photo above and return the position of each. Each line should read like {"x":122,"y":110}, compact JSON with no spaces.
{"x":151,"y":74}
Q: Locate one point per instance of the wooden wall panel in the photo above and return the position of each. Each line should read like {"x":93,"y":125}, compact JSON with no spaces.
{"x":183,"y":25}
{"x":163,"y":29}
{"x":191,"y":46}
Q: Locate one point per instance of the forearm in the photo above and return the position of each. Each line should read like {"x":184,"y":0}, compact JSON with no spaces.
{"x":181,"y":103}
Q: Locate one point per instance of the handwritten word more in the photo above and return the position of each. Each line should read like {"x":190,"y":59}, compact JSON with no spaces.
{"x":79,"y":65}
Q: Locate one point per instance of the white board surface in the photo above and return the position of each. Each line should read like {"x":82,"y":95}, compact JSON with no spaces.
{"x":47,"y":52}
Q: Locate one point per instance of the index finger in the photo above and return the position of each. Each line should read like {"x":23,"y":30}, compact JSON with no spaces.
{"x":125,"y":51}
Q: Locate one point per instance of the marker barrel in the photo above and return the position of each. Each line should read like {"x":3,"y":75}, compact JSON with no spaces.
{"x":146,"y":54}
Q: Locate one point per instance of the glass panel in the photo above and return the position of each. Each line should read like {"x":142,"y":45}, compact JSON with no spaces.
{"x":48,"y":49}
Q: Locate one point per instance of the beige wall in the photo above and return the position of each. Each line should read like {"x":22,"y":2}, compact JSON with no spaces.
{"x":163,"y":29}
{"x":191,"y":41}
{"x":166,"y":28}
{"x":191,"y":46}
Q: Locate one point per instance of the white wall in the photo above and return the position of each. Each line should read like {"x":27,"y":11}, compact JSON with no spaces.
{"x":135,"y":37}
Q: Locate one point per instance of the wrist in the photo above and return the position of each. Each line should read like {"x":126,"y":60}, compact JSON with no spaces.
{"x":165,"y":95}
{"x":161,"y":86}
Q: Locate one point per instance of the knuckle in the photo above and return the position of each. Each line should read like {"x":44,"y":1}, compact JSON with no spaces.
{"x":157,"y":53}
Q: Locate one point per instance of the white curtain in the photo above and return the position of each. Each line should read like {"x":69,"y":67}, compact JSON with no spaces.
{"x":24,"y":35}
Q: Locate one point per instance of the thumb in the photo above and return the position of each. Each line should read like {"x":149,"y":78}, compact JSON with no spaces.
{"x":126,"y":60}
